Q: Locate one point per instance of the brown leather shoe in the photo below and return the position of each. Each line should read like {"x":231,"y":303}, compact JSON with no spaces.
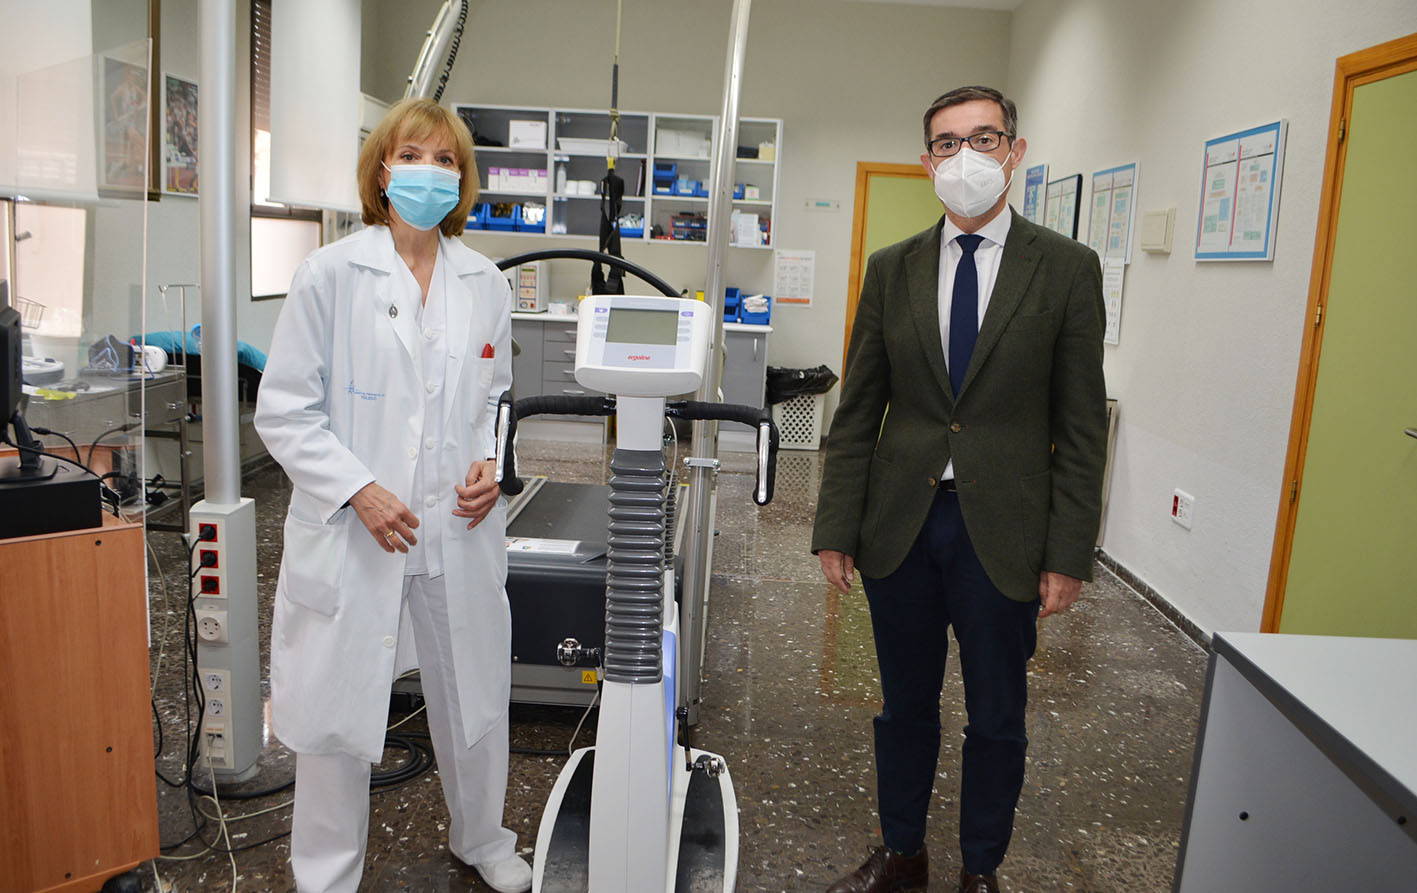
{"x":978,"y":883}
{"x":886,"y":871}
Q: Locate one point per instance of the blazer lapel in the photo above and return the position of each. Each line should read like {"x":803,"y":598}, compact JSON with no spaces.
{"x":922,"y":276}
{"x":1016,"y":268}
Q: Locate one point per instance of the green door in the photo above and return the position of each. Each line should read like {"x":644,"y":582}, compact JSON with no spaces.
{"x":1353,"y":563}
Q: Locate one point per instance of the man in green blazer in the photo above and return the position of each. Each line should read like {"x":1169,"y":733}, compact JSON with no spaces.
{"x":963,"y":478}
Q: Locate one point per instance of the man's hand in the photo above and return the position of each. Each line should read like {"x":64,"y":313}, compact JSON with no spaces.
{"x":838,"y":568}
{"x":1057,"y":591}
{"x":476,"y":499}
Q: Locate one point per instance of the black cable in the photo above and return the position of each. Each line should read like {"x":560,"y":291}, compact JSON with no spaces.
{"x":48,"y":433}
{"x":126,"y":427}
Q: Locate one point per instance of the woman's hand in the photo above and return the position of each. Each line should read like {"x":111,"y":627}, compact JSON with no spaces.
{"x":388,"y":520}
{"x":476,"y":499}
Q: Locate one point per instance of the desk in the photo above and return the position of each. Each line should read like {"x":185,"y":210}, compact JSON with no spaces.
{"x":95,"y":414}
{"x":1305,"y":774}
{"x":77,"y":790}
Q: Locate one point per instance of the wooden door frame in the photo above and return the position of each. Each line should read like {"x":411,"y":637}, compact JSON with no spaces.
{"x":1350,"y":72}
{"x":864,"y":171}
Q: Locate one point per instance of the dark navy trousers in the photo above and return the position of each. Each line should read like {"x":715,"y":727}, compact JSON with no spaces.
{"x":942,"y":585}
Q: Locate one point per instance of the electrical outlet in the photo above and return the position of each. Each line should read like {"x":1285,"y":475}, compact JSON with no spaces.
{"x":1183,"y":507}
{"x":216,"y":707}
{"x":215,"y":682}
{"x":211,"y":625}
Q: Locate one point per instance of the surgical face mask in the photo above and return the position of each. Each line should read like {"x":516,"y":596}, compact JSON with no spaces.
{"x":423,"y":194}
{"x":970,"y":182}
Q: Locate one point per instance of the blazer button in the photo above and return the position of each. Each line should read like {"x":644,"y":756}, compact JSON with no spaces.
{"x":932,"y":481}
{"x":956,"y":427}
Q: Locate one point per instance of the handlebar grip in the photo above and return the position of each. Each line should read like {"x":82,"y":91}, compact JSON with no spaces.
{"x":754,"y":416}
{"x":506,"y":456}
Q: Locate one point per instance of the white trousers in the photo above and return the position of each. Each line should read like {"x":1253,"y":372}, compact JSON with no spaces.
{"x":330,"y":827}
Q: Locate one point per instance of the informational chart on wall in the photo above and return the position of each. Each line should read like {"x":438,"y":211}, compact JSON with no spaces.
{"x":1109,"y":230}
{"x":1113,"y":272}
{"x":1034,"y":183}
{"x":793,"y":275}
{"x":1240,"y":194}
{"x":1060,"y":212}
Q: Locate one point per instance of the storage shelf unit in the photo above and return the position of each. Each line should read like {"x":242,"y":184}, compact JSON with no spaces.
{"x":573,"y":213}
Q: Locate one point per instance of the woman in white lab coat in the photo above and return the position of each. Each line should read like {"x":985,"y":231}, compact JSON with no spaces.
{"x":379,"y":399}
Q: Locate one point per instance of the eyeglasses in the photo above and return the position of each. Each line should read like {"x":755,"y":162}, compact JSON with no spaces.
{"x":984,"y":141}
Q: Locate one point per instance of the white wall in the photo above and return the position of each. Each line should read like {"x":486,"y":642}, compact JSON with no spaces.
{"x":850,"y":81}
{"x":1206,"y":367}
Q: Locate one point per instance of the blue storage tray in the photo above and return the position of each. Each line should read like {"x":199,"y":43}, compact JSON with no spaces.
{"x":477,"y":217}
{"x":666,"y":170}
{"x":636,"y":233}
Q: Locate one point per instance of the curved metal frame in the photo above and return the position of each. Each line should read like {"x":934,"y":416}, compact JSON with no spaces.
{"x":633,"y":269}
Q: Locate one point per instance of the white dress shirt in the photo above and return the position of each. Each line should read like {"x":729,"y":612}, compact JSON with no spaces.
{"x":986,"y":266}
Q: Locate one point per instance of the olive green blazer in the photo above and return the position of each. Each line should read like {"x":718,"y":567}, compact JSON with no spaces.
{"x":1027,"y":431}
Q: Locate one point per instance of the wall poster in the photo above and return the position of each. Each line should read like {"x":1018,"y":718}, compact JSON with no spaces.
{"x":1240,"y":194}
{"x":179,"y":137}
{"x":1109,"y":231}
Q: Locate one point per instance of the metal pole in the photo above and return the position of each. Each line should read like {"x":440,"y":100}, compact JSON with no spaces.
{"x":216,"y":171}
{"x":705,"y":443}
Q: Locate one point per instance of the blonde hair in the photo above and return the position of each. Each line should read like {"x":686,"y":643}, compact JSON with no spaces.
{"x":415,"y":119}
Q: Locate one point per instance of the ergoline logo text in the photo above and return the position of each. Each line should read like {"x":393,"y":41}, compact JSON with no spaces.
{"x":638,"y":356}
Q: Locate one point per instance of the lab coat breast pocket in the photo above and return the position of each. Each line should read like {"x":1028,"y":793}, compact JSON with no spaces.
{"x":312,"y":567}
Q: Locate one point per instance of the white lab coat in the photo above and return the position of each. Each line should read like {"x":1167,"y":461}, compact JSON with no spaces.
{"x":340,"y":407}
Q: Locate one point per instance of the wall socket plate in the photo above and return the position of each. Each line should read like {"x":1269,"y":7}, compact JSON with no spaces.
{"x":1183,"y":508}
{"x":211,"y":625}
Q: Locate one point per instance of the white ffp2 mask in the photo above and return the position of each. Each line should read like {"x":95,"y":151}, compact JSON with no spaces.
{"x":970,"y":182}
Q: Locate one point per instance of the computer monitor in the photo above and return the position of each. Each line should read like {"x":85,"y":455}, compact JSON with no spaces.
{"x":11,"y":359}
{"x":31,"y":465}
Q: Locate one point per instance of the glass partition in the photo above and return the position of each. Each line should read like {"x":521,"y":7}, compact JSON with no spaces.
{"x":78,"y":219}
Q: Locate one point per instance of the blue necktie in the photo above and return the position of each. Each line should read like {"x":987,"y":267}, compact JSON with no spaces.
{"x":964,"y":311}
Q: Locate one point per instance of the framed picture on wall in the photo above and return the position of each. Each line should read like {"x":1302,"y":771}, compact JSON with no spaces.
{"x":123,"y":97}
{"x":1061,"y":205}
{"x":179,"y":136}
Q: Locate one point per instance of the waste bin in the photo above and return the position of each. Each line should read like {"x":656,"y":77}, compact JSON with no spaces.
{"x":797,"y":397}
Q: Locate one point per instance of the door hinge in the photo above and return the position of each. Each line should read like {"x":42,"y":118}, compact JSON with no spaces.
{"x":1318,"y":315}
{"x":1342,"y":128}
{"x":1293,"y":490}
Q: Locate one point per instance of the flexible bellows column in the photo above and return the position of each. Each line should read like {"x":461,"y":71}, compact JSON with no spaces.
{"x":634,"y":618}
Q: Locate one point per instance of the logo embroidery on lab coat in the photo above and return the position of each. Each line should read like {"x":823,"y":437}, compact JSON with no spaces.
{"x":362,"y":395}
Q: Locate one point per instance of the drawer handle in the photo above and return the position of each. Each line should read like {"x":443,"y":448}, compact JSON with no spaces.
{"x":569,"y":372}
{"x":569,"y":353}
{"x":573,"y":391}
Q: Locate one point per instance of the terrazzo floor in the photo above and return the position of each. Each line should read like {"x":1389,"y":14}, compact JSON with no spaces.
{"x":789,"y":692}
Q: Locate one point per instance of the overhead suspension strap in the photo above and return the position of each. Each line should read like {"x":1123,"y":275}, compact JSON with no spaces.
{"x":612,"y":187}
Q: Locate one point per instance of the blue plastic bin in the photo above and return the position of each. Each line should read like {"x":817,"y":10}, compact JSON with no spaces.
{"x":757,"y":319}
{"x":524,"y":227}
{"x":505,"y":224}
{"x":732,"y":303}
{"x":477,"y":217}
